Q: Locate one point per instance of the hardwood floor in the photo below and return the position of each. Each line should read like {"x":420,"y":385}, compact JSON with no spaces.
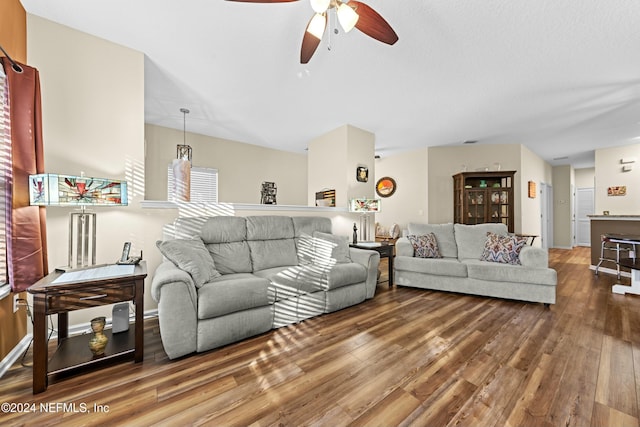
{"x":407,"y":357}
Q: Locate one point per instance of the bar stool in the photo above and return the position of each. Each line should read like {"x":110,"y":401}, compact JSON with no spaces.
{"x":606,"y":240}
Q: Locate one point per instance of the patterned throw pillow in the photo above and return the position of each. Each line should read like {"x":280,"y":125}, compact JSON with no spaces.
{"x":503,"y":249}
{"x":425,"y":246}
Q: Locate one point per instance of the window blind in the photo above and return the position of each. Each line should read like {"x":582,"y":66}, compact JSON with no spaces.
{"x":204,"y":184}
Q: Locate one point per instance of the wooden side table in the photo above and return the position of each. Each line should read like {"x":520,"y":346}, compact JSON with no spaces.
{"x":386,"y":250}
{"x":73,"y":353}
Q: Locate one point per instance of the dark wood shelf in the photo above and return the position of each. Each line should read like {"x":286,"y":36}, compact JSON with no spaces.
{"x":74,"y":352}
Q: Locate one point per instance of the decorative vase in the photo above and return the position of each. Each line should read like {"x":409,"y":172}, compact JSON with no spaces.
{"x":99,"y":340}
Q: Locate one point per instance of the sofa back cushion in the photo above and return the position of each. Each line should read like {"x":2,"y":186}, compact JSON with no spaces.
{"x":444,"y":235}
{"x":271,"y":243}
{"x":472,"y":238}
{"x":226,"y":240}
{"x":303,"y":229}
{"x":329,"y":249}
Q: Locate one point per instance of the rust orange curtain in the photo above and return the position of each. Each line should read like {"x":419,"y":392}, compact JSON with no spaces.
{"x":26,"y":228}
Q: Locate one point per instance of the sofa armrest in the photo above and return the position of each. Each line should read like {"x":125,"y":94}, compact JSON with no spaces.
{"x":404,"y":247}
{"x":167,"y":273}
{"x":533,"y":256}
{"x":174,"y":291}
{"x":371,"y":260}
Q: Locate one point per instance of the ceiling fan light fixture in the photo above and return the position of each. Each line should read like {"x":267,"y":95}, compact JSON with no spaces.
{"x":320,"y":6}
{"x":347,"y":16}
{"x":317,"y":25}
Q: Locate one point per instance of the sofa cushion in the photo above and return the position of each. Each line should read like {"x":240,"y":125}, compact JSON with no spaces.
{"x":425,"y":246}
{"x":341,"y":275}
{"x":288,"y":282}
{"x":231,"y":293}
{"x":269,"y":227}
{"x":308,"y":224}
{"x":444,"y":236}
{"x":303,"y":228}
{"x":434,"y":266}
{"x":503,"y":249}
{"x":226,"y":240}
{"x":329,"y":249}
{"x":233,"y":257}
{"x":304,"y":249}
{"x":494,"y":272}
{"x":224,"y":229}
{"x":192,"y":256}
{"x":272,"y":253}
{"x":471,"y":238}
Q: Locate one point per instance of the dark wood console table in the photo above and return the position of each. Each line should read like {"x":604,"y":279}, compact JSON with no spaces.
{"x":386,"y":250}
{"x":51,"y":296}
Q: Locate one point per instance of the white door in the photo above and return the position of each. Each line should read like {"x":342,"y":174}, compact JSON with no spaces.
{"x":584,"y":206}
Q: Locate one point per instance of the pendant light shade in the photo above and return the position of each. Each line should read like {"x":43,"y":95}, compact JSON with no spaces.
{"x":320,"y":6}
{"x":317,"y":25}
{"x":347,"y":17}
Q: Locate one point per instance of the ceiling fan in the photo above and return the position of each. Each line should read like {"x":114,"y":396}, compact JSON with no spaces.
{"x":350,"y":14}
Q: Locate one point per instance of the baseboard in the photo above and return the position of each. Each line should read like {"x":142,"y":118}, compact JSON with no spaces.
{"x":81,"y":328}
{"x":612,"y":271}
{"x":15,"y":354}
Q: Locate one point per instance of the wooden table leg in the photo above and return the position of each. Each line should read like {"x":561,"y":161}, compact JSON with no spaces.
{"x":391,"y":269}
{"x":139,"y":303}
{"x":40,"y":350}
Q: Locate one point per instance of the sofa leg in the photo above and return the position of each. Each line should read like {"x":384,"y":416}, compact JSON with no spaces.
{"x":547,"y":305}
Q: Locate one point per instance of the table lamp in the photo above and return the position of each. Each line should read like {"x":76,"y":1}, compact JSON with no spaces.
{"x":66,"y":190}
{"x":365,"y":207}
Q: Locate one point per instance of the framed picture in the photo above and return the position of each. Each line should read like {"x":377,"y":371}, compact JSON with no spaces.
{"x":386,"y":186}
{"x":617,"y":191}
{"x":362,"y":174}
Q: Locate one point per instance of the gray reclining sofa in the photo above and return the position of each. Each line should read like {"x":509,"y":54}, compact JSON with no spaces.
{"x":228,"y":278}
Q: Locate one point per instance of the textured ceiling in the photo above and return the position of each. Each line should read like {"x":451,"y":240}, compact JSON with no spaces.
{"x":560,"y":77}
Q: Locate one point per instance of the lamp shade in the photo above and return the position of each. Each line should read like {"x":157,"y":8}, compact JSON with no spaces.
{"x":317,"y":25}
{"x":364,"y":205}
{"x":49,"y":189}
{"x":347,"y":16}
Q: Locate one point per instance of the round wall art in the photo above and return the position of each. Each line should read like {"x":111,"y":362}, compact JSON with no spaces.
{"x":386,"y":186}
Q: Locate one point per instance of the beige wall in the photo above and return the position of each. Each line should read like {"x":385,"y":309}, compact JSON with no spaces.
{"x":332,"y":162}
{"x":609,"y":173}
{"x":532,"y":168}
{"x":563,"y":182}
{"x":241,"y":167}
{"x":410,"y":201}
{"x":93,"y":122}
{"x":585,"y":177}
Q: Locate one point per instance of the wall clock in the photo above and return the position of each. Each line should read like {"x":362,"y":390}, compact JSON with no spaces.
{"x":386,"y":186}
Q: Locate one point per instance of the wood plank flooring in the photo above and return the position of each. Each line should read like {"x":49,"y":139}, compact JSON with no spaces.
{"x":408,"y":357}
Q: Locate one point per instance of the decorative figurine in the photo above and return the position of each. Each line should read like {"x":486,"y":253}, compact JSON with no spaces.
{"x":98,"y":342}
{"x":355,"y":234}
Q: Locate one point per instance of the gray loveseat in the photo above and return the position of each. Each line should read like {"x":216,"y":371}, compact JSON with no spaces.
{"x":461,"y":269}
{"x":228,"y":278}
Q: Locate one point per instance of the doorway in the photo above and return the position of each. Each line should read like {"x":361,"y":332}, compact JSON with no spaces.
{"x":584,"y":206}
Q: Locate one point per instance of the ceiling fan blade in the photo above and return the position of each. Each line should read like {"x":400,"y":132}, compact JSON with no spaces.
{"x":263,"y":1}
{"x":372,"y":24}
{"x":310,"y":42}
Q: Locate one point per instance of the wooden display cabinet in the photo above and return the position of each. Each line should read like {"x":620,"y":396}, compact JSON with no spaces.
{"x":481,"y":197}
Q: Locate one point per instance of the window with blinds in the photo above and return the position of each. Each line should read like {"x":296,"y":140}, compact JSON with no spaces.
{"x":204,"y":184}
